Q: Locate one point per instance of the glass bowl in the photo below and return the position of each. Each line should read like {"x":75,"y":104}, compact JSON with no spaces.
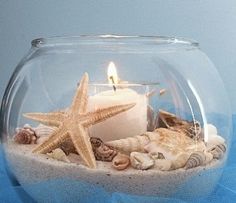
{"x":129,"y":114}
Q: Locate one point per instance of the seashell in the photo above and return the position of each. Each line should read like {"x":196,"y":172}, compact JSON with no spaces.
{"x":218,"y":151}
{"x":163,"y":164}
{"x":120,"y":161}
{"x":135,"y":143}
{"x":141,"y":161}
{"x":168,"y":120}
{"x":214,"y":140}
{"x":101,"y":151}
{"x":150,"y":118}
{"x":180,"y":162}
{"x":59,"y":155}
{"x":209,"y":157}
{"x":43,"y":130}
{"x":156,"y":155}
{"x":211,"y":129}
{"x":196,"y":159}
{"x":25,"y":135}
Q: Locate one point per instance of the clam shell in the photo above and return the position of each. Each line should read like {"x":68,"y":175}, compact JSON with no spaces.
{"x":141,"y":161}
{"x":25,"y":135}
{"x":218,"y":151}
{"x":120,"y":161}
{"x":135,"y":143}
{"x":59,"y":155}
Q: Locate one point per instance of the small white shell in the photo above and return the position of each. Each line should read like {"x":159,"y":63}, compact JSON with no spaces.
{"x":59,"y":155}
{"x":141,"y":161}
{"x":43,"y":130}
{"x":214,"y":140}
{"x":211,"y":129}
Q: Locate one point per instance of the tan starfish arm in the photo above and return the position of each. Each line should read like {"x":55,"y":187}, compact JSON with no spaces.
{"x":102,"y":114}
{"x":52,"y":119}
{"x":55,"y":139}
{"x":80,"y":100}
{"x":82,"y":144}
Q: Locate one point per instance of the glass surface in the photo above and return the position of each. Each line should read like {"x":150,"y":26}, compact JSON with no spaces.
{"x":180,"y":78}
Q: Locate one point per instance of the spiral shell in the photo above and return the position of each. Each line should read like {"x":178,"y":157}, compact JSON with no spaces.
{"x":198,"y":158}
{"x":141,"y":161}
{"x":218,"y":151}
{"x":120,"y":161}
{"x":44,"y":130}
{"x":59,"y":155}
{"x":25,"y":135}
{"x":135,"y":143}
{"x":101,"y":151}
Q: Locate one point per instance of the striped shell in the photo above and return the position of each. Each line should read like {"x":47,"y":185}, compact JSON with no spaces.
{"x":218,"y":151}
{"x":44,"y":130}
{"x":120,"y":161}
{"x":101,"y":151}
{"x":25,"y":135}
{"x":135,"y":143}
{"x":198,"y":159}
{"x":59,"y":155}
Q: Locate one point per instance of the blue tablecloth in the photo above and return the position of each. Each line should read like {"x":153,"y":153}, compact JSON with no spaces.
{"x":225,"y":191}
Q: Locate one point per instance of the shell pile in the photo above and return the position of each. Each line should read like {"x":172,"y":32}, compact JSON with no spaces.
{"x":169,"y":144}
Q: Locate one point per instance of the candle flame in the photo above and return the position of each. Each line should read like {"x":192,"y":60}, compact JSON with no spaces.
{"x":112,"y":74}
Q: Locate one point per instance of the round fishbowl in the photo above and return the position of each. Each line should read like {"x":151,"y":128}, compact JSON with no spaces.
{"x":93,"y":116}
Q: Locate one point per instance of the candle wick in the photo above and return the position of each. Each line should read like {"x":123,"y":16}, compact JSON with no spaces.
{"x":112,"y":79}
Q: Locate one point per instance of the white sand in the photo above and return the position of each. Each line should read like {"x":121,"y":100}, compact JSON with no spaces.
{"x":34,"y":168}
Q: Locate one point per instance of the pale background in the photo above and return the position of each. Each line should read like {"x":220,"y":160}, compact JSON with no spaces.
{"x":211,"y":22}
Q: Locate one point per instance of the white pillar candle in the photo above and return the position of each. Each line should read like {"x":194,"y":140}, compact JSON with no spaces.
{"x":129,"y":123}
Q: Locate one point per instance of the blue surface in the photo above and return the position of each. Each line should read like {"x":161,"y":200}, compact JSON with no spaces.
{"x":224,"y":192}
{"x":211,"y":23}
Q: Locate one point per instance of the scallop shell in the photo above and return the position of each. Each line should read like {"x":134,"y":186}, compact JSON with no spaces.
{"x":101,"y":151}
{"x":25,"y":135}
{"x":218,"y":151}
{"x":120,"y":161}
{"x":59,"y":155}
{"x":135,"y":143}
{"x":43,"y":130}
{"x":198,"y":159}
{"x":141,"y":161}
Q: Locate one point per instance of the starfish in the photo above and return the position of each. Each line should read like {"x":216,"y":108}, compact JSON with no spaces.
{"x":73,"y":123}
